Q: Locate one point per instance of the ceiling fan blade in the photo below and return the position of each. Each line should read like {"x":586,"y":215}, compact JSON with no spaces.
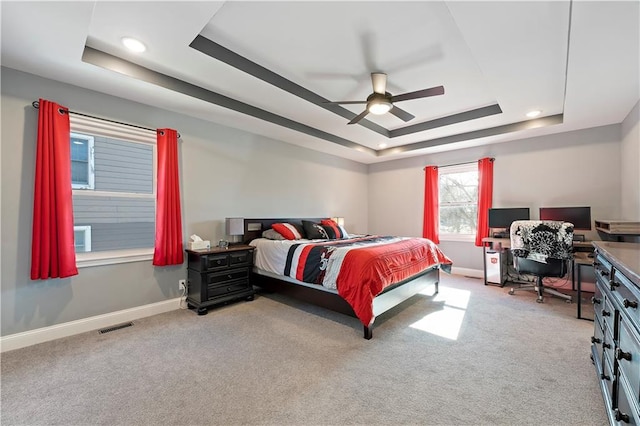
{"x":345,"y":102}
{"x":401,"y":114}
{"x":359,"y":117}
{"x":434,"y":91}
{"x":379,"y":81}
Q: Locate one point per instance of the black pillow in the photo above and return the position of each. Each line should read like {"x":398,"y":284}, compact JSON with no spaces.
{"x":300,"y":229}
{"x":314,"y":230}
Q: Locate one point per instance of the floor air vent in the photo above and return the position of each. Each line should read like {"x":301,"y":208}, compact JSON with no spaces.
{"x":116,"y":327}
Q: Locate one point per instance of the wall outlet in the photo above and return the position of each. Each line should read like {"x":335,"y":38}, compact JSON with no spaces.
{"x":182,"y":284}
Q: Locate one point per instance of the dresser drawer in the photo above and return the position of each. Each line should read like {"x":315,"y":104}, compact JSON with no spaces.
{"x":214,"y":292}
{"x":628,"y":297}
{"x":609,"y":345}
{"x":230,"y":275}
{"x":628,"y":355}
{"x":598,"y":304}
{"x":602,"y":267}
{"x":626,"y":411}
{"x":608,"y":316}
{"x":608,"y":378}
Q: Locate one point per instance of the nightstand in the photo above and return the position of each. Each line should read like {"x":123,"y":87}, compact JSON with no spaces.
{"x":217,"y":276}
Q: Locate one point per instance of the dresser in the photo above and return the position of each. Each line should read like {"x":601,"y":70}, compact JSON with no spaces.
{"x":218,"y":276}
{"x":615,"y":348}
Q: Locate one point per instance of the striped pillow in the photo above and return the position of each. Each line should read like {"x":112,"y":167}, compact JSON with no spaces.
{"x":287,"y":230}
{"x":334,"y":230}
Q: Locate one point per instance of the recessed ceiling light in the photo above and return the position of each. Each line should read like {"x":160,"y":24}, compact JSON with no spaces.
{"x":133,"y":45}
{"x":534,"y":113}
{"x":382,"y":145}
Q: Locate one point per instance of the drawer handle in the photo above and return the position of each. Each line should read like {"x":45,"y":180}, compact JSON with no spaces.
{"x":594,"y":339}
{"x":630,"y":303}
{"x":604,"y":273}
{"x":606,"y":313}
{"x":596,"y":301}
{"x":620,"y":354}
{"x":613,"y":283}
{"x":606,"y":345}
{"x":229,"y":276}
{"x":621,"y":417}
{"x":604,"y":377}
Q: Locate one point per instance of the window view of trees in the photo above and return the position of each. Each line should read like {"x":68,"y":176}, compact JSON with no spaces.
{"x":458,"y":201}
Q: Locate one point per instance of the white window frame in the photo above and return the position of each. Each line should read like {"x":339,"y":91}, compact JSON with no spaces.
{"x":87,"y":235}
{"x":459,"y":168}
{"x":92,"y":126}
{"x":90,"y":166}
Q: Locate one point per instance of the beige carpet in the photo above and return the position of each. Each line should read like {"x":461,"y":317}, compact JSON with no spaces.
{"x":473,"y":355}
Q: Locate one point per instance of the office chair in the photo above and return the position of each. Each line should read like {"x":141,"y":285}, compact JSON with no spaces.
{"x":542,"y":248}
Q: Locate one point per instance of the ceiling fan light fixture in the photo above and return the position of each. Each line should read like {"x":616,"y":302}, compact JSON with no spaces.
{"x":379,"y":107}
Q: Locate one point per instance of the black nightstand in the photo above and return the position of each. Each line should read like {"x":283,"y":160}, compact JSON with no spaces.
{"x":218,"y":276}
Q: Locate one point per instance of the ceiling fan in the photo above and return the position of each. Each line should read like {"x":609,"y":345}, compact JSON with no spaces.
{"x":381,"y":101}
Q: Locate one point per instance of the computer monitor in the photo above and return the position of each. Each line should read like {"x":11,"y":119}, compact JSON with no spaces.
{"x":579,"y":216}
{"x":501,"y":218}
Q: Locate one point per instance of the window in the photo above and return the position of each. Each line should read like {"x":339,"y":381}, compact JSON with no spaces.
{"x":458,"y":197}
{"x":113,"y":181}
{"x":81,"y":161}
{"x":82,"y":236}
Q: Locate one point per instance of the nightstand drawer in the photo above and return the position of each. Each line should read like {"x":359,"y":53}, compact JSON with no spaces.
{"x":214,"y":292}
{"x":215,"y":261}
{"x":241,"y":258}
{"x":232,"y":275}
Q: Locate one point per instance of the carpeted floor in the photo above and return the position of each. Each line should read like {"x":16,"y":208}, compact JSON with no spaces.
{"x":473,"y":355}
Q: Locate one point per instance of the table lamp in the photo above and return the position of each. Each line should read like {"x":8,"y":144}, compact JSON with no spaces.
{"x":338,"y":220}
{"x":234,"y":229}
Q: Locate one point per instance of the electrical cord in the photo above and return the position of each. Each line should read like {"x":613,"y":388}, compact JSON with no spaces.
{"x":183,"y":298}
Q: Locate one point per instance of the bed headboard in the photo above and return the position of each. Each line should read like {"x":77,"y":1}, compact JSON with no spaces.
{"x":253,"y":228}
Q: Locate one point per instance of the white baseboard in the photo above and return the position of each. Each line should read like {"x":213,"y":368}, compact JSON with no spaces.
{"x":45,"y":334}
{"x":467,"y":272}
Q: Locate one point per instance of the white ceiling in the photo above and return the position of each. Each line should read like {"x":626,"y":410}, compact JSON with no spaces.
{"x":576,"y":61}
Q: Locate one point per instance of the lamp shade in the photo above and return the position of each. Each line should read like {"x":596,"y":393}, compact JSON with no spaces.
{"x":338,"y":220}
{"x":234,"y":225}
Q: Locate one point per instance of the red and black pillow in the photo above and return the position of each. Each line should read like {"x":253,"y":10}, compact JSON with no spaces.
{"x":289,"y":230}
{"x":314,"y":230}
{"x":334,"y":231}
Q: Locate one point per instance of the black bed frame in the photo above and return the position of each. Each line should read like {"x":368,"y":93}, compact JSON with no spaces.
{"x":389,"y":298}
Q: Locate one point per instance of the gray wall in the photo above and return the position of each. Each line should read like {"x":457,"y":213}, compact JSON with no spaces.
{"x":580,"y":168}
{"x":630,"y":167}
{"x":228,"y":173}
{"x":224,"y":173}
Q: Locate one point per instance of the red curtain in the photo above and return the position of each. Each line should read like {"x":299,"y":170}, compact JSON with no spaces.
{"x":485,"y":197}
{"x":53,"y":253}
{"x":168,"y":244}
{"x":430,"y":225}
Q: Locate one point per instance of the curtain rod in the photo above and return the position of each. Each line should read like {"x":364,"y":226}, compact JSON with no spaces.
{"x":460,"y":164}
{"x":36,"y":105}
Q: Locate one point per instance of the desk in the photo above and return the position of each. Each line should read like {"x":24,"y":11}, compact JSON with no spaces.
{"x":497,"y":244}
{"x":582,"y":250}
{"x":580,"y":259}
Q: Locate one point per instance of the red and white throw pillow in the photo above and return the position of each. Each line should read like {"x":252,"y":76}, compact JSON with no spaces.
{"x":287,"y":230}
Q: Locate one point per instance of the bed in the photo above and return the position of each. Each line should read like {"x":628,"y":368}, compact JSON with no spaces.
{"x":362,"y":276}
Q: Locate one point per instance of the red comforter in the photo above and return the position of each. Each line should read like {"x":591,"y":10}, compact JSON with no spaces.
{"x":361,"y":268}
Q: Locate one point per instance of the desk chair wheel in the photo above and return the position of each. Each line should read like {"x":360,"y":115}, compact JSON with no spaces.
{"x":511,"y":292}
{"x":540,"y":299}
